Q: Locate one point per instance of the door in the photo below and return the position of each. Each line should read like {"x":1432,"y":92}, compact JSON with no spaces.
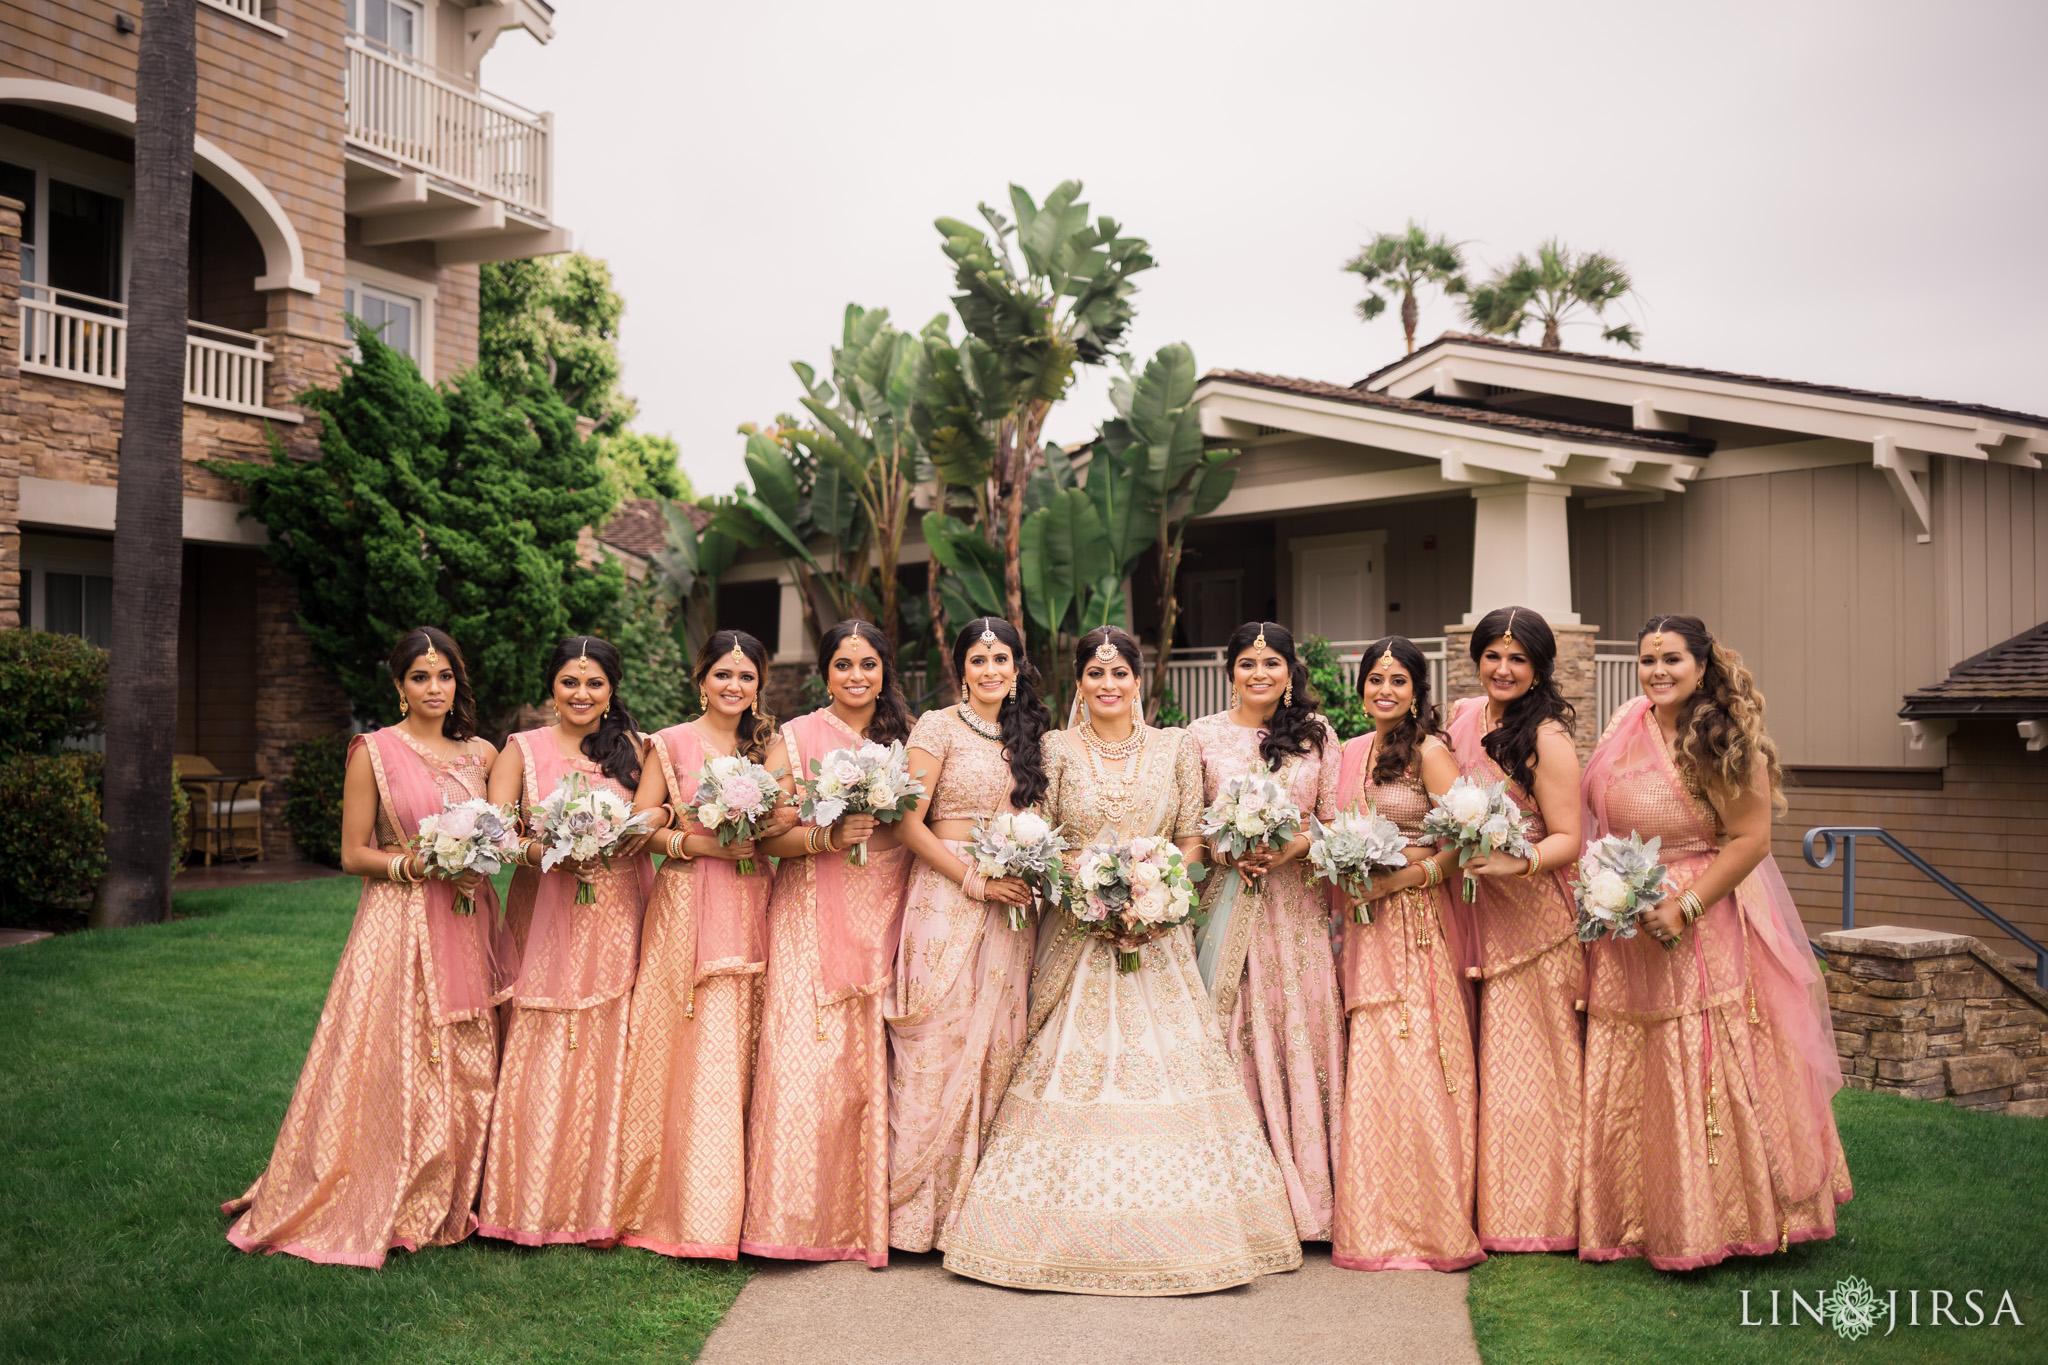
{"x":1214,"y":602}
{"x":1339,"y":586}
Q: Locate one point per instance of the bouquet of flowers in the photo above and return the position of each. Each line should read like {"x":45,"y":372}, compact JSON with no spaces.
{"x":1023,"y":846}
{"x":1618,"y":880}
{"x":1129,"y":886}
{"x":466,"y":836}
{"x":870,"y":780}
{"x":1250,"y":810}
{"x":1345,"y":854}
{"x":734,"y":799}
{"x":1477,"y":820}
{"x":583,"y":822}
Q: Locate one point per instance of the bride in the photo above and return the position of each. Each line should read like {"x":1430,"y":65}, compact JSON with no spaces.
{"x":1125,"y":1158}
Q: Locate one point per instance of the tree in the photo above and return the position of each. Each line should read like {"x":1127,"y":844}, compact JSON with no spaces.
{"x":459,"y":507}
{"x":142,"y":683}
{"x":1400,"y":263}
{"x":1063,"y":301}
{"x":558,"y":315}
{"x":637,"y":465}
{"x":1551,"y":289}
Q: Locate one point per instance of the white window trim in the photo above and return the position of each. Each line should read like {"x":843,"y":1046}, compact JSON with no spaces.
{"x":226,"y":7}
{"x":74,"y":166}
{"x":41,"y":559}
{"x":409,"y":286}
{"x":425,"y":21}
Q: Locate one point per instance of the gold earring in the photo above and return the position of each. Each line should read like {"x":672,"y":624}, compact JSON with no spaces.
{"x":1013,"y":686}
{"x":404,"y":706}
{"x":1233,"y":696}
{"x":1287,"y":697}
{"x":1413,"y":712}
{"x":607,"y":709}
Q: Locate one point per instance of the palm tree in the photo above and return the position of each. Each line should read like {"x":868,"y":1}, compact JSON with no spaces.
{"x":1557,"y":284}
{"x":142,"y":674}
{"x":1398,"y":263}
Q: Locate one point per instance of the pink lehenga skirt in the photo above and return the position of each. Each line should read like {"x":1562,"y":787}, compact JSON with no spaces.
{"x":1404,"y":1173}
{"x":384,"y":1139}
{"x":956,"y":1021}
{"x":818,"y":1122}
{"x":689,"y":1073}
{"x":552,"y":1174}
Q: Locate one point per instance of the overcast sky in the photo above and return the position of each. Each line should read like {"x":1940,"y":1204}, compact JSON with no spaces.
{"x":1852,"y":193}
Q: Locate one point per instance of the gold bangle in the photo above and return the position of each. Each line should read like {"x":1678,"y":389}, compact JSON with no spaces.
{"x":391,"y":869}
{"x":1689,"y":906}
{"x":1535,"y":862}
{"x":676,"y":840}
{"x":1432,"y":875}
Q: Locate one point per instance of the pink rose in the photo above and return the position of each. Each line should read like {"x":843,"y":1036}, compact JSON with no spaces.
{"x":601,"y":831}
{"x":458,"y":823}
{"x":743,"y":792}
{"x":848,"y":772}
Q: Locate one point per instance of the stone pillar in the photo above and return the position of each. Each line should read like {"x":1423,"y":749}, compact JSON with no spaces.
{"x":13,"y":611}
{"x":1521,"y":551}
{"x":1574,"y":674}
{"x":296,"y":699}
{"x":1937,"y":1016}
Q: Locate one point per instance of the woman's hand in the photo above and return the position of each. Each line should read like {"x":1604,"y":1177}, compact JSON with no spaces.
{"x":781,"y":820}
{"x":1665,"y":921}
{"x":854,"y":829}
{"x":1007,"y":891}
{"x":585,"y":870}
{"x":1255,"y":861}
{"x":1297,"y":847}
{"x":737,"y":851}
{"x":1497,"y":864}
{"x":1130,"y":943}
{"x":633,"y":843}
{"x":469,"y":883}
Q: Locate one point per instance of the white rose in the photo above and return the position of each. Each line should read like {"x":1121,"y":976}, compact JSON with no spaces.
{"x":1466,"y":803}
{"x":1607,"y":892}
{"x":725,"y":766}
{"x":1249,"y":824}
{"x":1144,"y":877}
{"x":446,"y":846}
{"x":1027,"y":828}
{"x":710,"y":814}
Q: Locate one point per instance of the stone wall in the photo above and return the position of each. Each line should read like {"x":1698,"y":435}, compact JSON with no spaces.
{"x":1574,"y":675}
{"x":10,"y":414}
{"x":294,"y":698}
{"x":1937,"y":1016}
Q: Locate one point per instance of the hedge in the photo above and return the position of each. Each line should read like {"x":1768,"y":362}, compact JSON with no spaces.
{"x":312,"y":800}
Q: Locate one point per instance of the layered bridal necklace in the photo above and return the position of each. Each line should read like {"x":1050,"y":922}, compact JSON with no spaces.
{"x":1118,"y":790}
{"x":977,"y":724}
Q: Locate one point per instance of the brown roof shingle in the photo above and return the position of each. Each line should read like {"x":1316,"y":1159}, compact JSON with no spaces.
{"x":2009,"y":679}
{"x":639,"y":528}
{"x":1795,"y":385}
{"x":1662,"y":442}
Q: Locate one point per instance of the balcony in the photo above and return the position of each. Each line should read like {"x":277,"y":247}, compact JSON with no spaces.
{"x":432,"y":161}
{"x":75,"y":336}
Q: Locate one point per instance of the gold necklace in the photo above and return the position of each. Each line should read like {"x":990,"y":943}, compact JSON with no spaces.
{"x":977,"y":724}
{"x":1120,"y":749}
{"x":1118,"y":792}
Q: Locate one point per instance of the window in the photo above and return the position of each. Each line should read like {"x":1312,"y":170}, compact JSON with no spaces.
{"x":73,"y":235}
{"x":81,"y":605}
{"x":19,"y":182}
{"x":393,"y":317}
{"x":389,"y":23}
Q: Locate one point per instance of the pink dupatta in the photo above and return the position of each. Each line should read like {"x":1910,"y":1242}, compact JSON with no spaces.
{"x":847,"y":964}
{"x":1456,"y":918}
{"x":728,"y":923}
{"x":456,"y":948}
{"x":1791,"y":999}
{"x":572,"y":956}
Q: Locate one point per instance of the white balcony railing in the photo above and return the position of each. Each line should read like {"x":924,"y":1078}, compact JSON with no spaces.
{"x":75,"y":336}
{"x":1614,"y":679}
{"x":404,"y":111}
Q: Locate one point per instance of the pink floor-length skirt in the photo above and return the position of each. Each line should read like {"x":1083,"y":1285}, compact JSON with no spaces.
{"x":552,"y":1174}
{"x":956,"y":1026}
{"x":689,"y":1073}
{"x":384,"y":1139}
{"x":1404,"y":1172}
{"x":818,"y":1121}
{"x":1286,"y":1034}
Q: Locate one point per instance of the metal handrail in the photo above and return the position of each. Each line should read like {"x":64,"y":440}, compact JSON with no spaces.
{"x":1849,"y":834}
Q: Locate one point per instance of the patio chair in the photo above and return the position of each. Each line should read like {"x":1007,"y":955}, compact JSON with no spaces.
{"x":227,"y":810}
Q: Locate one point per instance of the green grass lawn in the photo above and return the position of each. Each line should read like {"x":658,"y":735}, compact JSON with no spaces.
{"x":1945,"y":1199}
{"x":144,"y":1076}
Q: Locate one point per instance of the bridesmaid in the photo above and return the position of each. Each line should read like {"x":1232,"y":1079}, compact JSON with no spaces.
{"x":1265,"y":954}
{"x":384,"y":1139}
{"x":818,"y":1125}
{"x":1404,"y":1175}
{"x":1710,"y":1066}
{"x":552,"y":1175}
{"x":697,"y":999}
{"x":1532,"y":966}
{"x":957,"y":1008}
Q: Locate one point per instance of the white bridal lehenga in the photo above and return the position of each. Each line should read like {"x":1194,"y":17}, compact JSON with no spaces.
{"x":1125,"y":1158}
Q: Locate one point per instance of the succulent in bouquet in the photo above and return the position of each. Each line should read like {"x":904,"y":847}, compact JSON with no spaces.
{"x":1025,"y":846}
{"x":464,"y":837}
{"x":1477,"y":820}
{"x":869,"y":780}
{"x":581,"y":822}
{"x":1251,"y":811}
{"x":1347,"y":851}
{"x":1127,"y":887}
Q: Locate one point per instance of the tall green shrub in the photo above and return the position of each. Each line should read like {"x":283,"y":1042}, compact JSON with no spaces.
{"x":1340,"y":701}
{"x":312,"y":797}
{"x":53,"y":841}
{"x":51,"y":689}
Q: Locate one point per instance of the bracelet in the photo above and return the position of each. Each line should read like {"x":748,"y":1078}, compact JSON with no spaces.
{"x":1535,"y":863}
{"x":813,"y":839}
{"x":391,"y":869}
{"x":675,"y":845}
{"x":974,"y":885}
{"x":1432,"y":875}
{"x":1689,"y":906}
{"x":830,"y":847}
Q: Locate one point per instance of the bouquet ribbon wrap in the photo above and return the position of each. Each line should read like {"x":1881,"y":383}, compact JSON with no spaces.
{"x":556,"y":963}
{"x":848,"y":964}
{"x":459,"y":949}
{"x":729,"y":938}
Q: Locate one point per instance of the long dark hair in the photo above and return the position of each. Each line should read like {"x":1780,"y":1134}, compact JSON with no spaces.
{"x":892,"y":714}
{"x":1512,"y":744}
{"x":460,"y":722}
{"x":1721,"y":734}
{"x":614,"y":745}
{"x":757,"y":724}
{"x":1023,"y":717}
{"x":1294,"y":727}
{"x":1397,"y":748}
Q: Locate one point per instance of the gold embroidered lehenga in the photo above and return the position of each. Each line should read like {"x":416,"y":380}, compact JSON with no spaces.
{"x":958,"y":1006}
{"x":1125,"y":1158}
{"x":1266,"y":956}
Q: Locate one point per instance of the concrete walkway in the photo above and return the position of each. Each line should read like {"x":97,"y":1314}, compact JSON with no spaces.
{"x":914,"y":1313}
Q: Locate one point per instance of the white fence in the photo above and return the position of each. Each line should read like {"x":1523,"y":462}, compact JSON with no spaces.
{"x":477,"y":140}
{"x":1614,"y":679}
{"x":78,"y":337}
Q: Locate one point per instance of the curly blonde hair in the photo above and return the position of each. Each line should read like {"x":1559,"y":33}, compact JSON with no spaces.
{"x":1721,"y":734}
